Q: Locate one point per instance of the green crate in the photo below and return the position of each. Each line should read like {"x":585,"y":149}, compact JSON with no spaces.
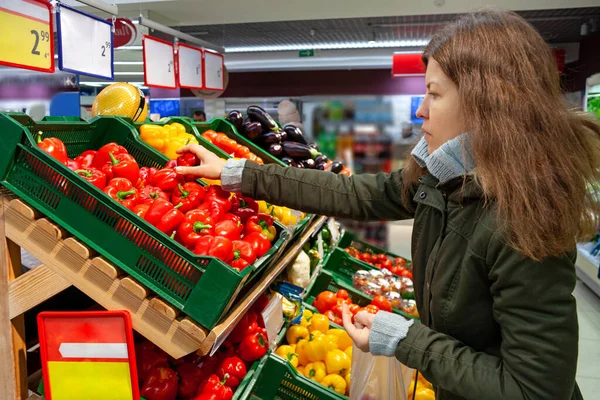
{"x":202,"y":287}
{"x":349,"y":239}
{"x":224,"y":126}
{"x":189,"y":128}
{"x":333,"y":282}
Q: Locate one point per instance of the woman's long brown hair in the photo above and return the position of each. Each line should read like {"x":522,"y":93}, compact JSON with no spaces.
{"x":535,"y":159}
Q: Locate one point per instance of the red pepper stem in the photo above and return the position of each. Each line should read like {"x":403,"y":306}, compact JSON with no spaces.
{"x":243,"y":203}
{"x":236,"y":255}
{"x":123,"y":195}
{"x":200,"y":226}
{"x":261,"y":339}
{"x":224,"y":381}
{"x":113,"y":159}
{"x":39,"y":137}
{"x":83,"y":172}
{"x":184,"y":193}
{"x":263,"y":224}
{"x":173,"y":235}
{"x":178,"y":205}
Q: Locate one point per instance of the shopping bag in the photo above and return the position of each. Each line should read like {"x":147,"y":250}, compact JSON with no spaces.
{"x":378,"y":377}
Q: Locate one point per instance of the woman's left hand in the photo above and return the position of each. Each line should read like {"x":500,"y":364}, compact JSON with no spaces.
{"x":361,"y":329}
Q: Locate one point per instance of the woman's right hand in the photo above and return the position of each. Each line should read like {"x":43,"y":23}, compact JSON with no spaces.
{"x":210,"y":166}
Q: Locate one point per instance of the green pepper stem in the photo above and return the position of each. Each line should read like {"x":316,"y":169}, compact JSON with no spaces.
{"x":200,"y":226}
{"x":83,"y":172}
{"x":113,"y":159}
{"x":39,"y":137}
{"x":184,"y":193}
{"x":122,"y":195}
{"x":178,"y":205}
{"x":236,"y":255}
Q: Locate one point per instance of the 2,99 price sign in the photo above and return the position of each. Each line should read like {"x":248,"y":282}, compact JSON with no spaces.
{"x":26,"y":35}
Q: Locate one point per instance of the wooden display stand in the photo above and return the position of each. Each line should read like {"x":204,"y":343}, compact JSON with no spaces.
{"x":65,"y":262}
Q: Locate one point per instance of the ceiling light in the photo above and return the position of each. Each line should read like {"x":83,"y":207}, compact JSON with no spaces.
{"x":129,"y":48}
{"x":129,"y":63}
{"x":330,"y":46}
{"x":129,"y":73}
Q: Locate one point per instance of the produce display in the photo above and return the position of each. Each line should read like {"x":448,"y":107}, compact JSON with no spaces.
{"x":398,"y":291}
{"x":330,"y":305}
{"x":287,"y":144}
{"x":230,"y":146}
{"x":397,"y":266}
{"x":206,"y":220}
{"x":303,"y":268}
{"x":167,"y":139}
{"x":322,"y":354}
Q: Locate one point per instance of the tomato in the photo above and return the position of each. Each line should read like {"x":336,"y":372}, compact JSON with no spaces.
{"x":324,"y":301}
{"x":387,"y":264}
{"x":382,"y":303}
{"x":337,"y":310}
{"x":406,"y":273}
{"x":342,"y":301}
{"x":399,"y":260}
{"x":354,"y":308}
{"x":372,"y":309}
{"x":342,"y":294}
{"x":366,"y":257}
{"x":333,"y":318}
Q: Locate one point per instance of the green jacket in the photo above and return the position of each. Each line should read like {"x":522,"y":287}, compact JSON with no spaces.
{"x":494,"y":324}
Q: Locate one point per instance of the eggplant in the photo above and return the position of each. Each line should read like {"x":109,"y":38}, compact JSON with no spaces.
{"x":257,"y":114}
{"x":236,"y":118}
{"x":337,"y":167}
{"x":288,"y":161}
{"x":322,"y":159}
{"x":284,"y":135}
{"x":270,"y":137}
{"x":321,"y":165}
{"x":275,"y":149}
{"x":299,"y":151}
{"x":294,"y":134}
{"x":297,"y":165}
{"x":252,"y":129}
{"x":308,"y":163}
{"x":314,"y":146}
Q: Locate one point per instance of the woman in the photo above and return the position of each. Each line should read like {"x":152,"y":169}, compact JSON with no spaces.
{"x":498,"y":190}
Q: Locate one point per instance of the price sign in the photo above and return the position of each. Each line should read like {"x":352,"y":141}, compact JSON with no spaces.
{"x":26,"y":35}
{"x":213,"y":70}
{"x":85,"y":43}
{"x":159,"y":63}
{"x":189,"y":62}
{"x":273,"y":318}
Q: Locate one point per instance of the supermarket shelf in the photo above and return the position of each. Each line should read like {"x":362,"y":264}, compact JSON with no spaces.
{"x":76,"y":264}
{"x":587,"y":270}
{"x":220,"y":332}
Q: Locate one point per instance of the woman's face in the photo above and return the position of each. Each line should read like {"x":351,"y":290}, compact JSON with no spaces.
{"x":441,"y":111}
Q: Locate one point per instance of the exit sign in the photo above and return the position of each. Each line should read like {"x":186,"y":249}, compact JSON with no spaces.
{"x":306,"y":53}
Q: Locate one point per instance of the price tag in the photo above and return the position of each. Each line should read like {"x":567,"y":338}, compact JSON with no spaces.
{"x":320,"y":246}
{"x":334,"y":230}
{"x":85,"y":43}
{"x":189,"y":62}
{"x":214,"y":68}
{"x":159,"y":63}
{"x":273,"y":318}
{"x":26,"y":35}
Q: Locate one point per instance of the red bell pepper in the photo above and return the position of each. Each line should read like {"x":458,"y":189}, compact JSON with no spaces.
{"x":188,"y":160}
{"x":235,"y":369}
{"x":161,"y":384}
{"x":213,"y":209}
{"x":146,"y":174}
{"x":53,"y":146}
{"x":190,"y":376}
{"x":216,"y":195}
{"x":166,"y":179}
{"x":190,"y":195}
{"x":197,"y":223}
{"x":259,"y":242}
{"x":72,"y":165}
{"x":262,"y":223}
{"x":243,"y":254}
{"x":246,"y":327}
{"x":121,"y":190}
{"x":164,"y":216}
{"x":230,"y":227}
{"x":148,"y":357}
{"x":215,"y":388}
{"x":102,"y":156}
{"x":243,"y":207}
{"x":93,"y":176}
{"x":141,"y":209}
{"x":122,"y":166}
{"x":171,"y":164}
{"x":215,"y":246}
{"x":150,"y":193}
{"x":86,"y":158}
{"x":253,"y":347}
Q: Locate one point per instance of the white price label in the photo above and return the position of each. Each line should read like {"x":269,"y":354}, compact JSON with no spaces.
{"x":191,"y":72}
{"x":159,"y":63}
{"x":334,"y":230}
{"x":85,"y":43}
{"x":273,"y":318}
{"x":214,"y":69}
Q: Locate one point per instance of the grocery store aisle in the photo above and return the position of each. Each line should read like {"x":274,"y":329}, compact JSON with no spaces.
{"x":588,"y":311}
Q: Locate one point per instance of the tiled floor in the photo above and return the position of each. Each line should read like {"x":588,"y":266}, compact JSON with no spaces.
{"x":588,"y":310}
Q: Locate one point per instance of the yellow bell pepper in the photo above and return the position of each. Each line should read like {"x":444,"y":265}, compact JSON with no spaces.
{"x":300,"y":370}
{"x":331,"y":341}
{"x":337,"y":362}
{"x":295,"y":333}
{"x":425,"y":394}
{"x":176,"y":141}
{"x":348,"y":378}
{"x":306,"y":317}
{"x":344,"y":340}
{"x":301,"y":351}
{"x":179,"y":128}
{"x":153,"y":135}
{"x":316,"y":349}
{"x":315,"y":371}
{"x":316,"y":334}
{"x":319,"y":322}
{"x":336,"y":383}
{"x":287,"y":352}
{"x":348,"y":352}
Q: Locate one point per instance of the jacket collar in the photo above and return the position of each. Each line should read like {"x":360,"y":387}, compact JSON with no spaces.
{"x":460,"y":190}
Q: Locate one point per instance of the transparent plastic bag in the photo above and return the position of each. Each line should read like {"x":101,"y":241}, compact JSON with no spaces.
{"x":378,"y":377}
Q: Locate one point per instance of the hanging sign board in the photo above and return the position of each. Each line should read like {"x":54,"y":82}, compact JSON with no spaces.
{"x":26,"y":35}
{"x":213,"y":71}
{"x":85,"y":43}
{"x":189,"y":63}
{"x":159,"y":63}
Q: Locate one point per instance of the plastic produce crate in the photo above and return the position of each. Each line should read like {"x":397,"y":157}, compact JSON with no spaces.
{"x":189,"y":128}
{"x":349,"y":239}
{"x":333,"y":282}
{"x":224,"y":126}
{"x":202,"y":287}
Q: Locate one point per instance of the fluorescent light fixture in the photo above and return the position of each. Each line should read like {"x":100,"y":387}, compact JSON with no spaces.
{"x":129,"y":48}
{"x":128,"y":63}
{"x":330,"y":46}
{"x":99,"y":84}
{"x":129,"y":73}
